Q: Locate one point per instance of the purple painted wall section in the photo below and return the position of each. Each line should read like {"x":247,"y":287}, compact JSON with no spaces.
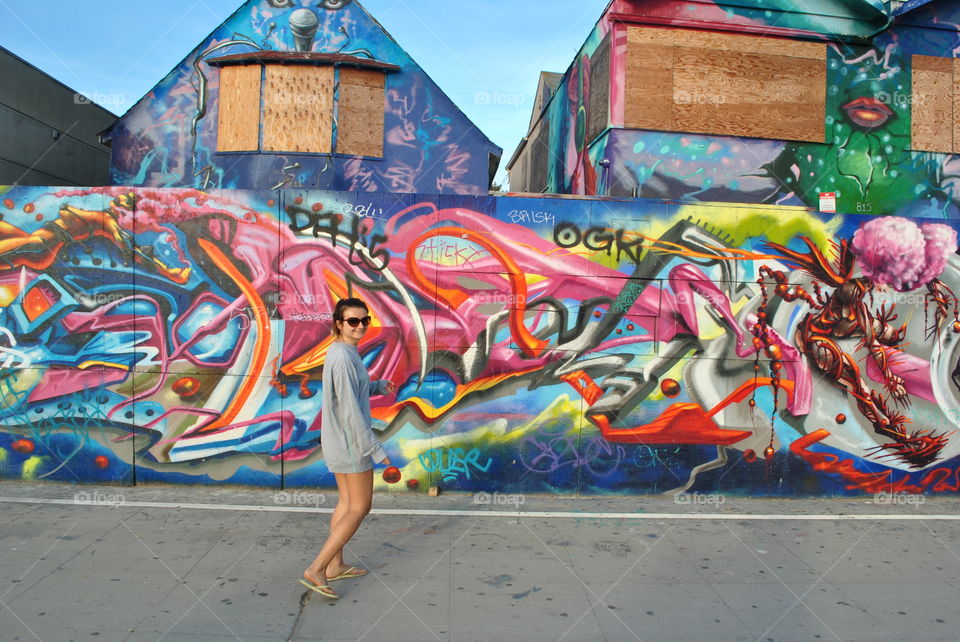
{"x":430,"y":146}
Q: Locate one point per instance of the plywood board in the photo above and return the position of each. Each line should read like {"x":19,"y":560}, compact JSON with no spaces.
{"x":932,"y":104}
{"x":956,"y":105}
{"x":238,"y":126}
{"x":298,"y":109}
{"x":648,"y":85}
{"x":749,"y":94}
{"x":715,"y":41}
{"x":360,"y":115}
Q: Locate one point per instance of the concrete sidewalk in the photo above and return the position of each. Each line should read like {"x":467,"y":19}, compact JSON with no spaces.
{"x":187,"y":563}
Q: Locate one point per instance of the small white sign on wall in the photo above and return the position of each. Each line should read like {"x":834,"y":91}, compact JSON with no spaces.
{"x":828,"y":202}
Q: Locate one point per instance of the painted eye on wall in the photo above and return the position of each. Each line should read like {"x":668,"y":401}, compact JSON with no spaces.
{"x":280,"y":4}
{"x":333,"y":5}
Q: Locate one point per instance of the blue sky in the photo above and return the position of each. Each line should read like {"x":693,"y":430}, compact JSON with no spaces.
{"x":115,"y":51}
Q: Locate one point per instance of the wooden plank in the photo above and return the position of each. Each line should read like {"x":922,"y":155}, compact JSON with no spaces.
{"x":749,"y":94}
{"x":298,"y":109}
{"x":648,"y":87}
{"x":360,"y":115}
{"x":238,"y":126}
{"x":716,"y":41}
{"x":932,"y":126}
{"x":956,"y":105}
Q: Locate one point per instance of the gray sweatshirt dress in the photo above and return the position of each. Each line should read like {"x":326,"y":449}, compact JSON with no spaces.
{"x":346,"y":433}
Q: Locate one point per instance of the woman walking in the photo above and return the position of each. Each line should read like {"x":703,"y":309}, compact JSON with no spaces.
{"x":349,"y":445}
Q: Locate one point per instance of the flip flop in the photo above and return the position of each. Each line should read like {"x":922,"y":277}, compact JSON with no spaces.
{"x":322,"y":589}
{"x":351,"y":572}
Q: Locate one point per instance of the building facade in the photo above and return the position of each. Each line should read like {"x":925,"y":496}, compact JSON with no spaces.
{"x":779,"y":104}
{"x":300,"y":94}
{"x":50,"y":132}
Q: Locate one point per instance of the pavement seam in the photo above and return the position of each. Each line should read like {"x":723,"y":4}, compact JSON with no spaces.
{"x":412,"y":586}
{"x":819,"y":579}
{"x":181,"y":582}
{"x":192,"y":568}
{"x":799,"y":599}
{"x":606,"y":516}
{"x":613,"y":586}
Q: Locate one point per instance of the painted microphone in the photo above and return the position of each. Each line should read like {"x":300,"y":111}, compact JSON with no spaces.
{"x":303,"y":25}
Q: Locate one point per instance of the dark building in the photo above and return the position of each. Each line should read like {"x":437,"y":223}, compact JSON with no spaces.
{"x":49,"y":134}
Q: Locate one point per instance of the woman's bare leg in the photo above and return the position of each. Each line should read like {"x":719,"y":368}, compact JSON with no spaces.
{"x":337,"y":564}
{"x":359,"y":493}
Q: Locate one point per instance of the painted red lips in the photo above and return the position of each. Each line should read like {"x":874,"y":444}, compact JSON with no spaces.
{"x":868,"y":112}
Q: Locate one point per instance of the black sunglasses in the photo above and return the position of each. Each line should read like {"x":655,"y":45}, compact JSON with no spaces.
{"x":354,"y":321}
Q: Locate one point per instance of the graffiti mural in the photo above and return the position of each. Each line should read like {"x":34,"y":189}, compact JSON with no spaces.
{"x":867,"y":158}
{"x":170,"y":137}
{"x":538,"y":345}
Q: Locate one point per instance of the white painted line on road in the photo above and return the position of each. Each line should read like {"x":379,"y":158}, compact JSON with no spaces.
{"x":106,"y":503}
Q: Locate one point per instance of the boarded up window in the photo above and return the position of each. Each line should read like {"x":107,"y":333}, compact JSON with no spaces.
{"x":727,"y":84}
{"x":238,"y":129}
{"x":298,"y":109}
{"x":932,"y":104}
{"x":360,"y":113}
{"x":599,"y":115}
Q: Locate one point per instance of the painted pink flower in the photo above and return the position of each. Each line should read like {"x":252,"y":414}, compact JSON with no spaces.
{"x":941,"y":244}
{"x":891,"y":251}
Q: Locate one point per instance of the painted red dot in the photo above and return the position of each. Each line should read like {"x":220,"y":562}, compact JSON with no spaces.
{"x":25,"y":446}
{"x":413,"y":484}
{"x":391,"y":475}
{"x":841,"y":418}
{"x":317,"y":207}
{"x":769,"y":452}
{"x":271,"y":203}
{"x":597,"y":313}
{"x":630,"y":327}
{"x":749,"y":456}
{"x":670,"y":387}
{"x":186,"y":386}
{"x":29,"y":208}
{"x":101,"y":461}
{"x":8,"y":203}
{"x":752,"y":403}
{"x":39,"y":217}
{"x":298,"y":200}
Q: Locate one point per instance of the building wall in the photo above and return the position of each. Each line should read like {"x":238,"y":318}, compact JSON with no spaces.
{"x":49,"y":131}
{"x":539,"y":345}
{"x":169,"y":139}
{"x":902,"y":166}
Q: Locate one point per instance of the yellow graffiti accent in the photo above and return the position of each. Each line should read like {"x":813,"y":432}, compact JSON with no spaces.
{"x":31,"y":467}
{"x":3,"y":457}
{"x":777,"y":223}
{"x":108,"y":364}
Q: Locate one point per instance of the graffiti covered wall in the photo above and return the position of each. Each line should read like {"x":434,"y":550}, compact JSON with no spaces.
{"x":170,"y":137}
{"x":538,"y":345}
